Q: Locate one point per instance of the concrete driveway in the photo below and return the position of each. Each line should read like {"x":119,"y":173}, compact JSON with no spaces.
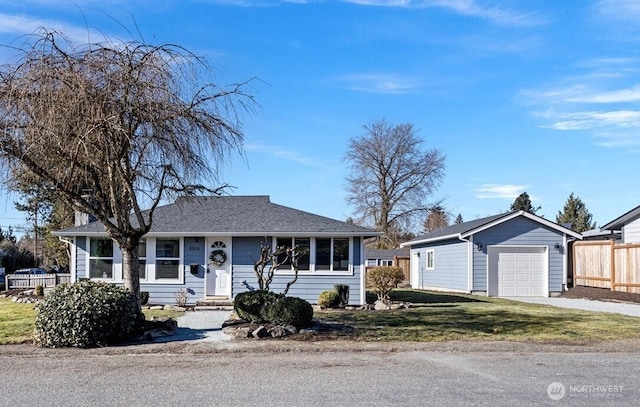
{"x":624,"y":308}
{"x":203,"y":326}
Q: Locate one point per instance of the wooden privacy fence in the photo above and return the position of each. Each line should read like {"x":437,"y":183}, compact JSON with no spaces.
{"x":604,"y":264}
{"x":18,"y":281}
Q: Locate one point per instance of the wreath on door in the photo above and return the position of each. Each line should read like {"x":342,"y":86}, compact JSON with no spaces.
{"x":218,"y":257}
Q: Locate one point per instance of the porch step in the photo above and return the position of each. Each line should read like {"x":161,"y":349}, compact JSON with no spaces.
{"x":215,"y":302}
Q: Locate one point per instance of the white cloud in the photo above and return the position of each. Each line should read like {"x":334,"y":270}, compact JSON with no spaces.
{"x":379,"y":83}
{"x":282,"y":153}
{"x":470,"y":8}
{"x":619,"y":9}
{"x":499,"y":191}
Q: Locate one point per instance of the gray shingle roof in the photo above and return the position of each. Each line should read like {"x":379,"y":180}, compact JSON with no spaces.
{"x":235,"y":215}
{"x":455,"y":229}
{"x":622,"y":220}
{"x":471,"y":227}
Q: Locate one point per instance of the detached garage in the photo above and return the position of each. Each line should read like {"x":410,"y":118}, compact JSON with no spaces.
{"x":507,"y":255}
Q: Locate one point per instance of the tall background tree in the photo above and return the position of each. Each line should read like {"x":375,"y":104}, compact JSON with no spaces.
{"x":391,"y":177}
{"x":436,"y":219}
{"x":130,"y":123}
{"x":523,"y":203}
{"x":575,"y":212}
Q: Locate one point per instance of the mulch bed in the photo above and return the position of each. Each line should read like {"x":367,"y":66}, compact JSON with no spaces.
{"x":600,"y":294}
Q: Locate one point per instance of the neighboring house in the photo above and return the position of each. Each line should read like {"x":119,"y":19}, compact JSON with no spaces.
{"x":512,"y":254}
{"x":628,"y":225}
{"x":175,"y":254}
{"x":384,"y":257}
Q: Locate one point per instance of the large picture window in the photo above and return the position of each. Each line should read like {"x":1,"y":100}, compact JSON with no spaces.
{"x":101,"y":258}
{"x":332,"y":254}
{"x":167,"y":259}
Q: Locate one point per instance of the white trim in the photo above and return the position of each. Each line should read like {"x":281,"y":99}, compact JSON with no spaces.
{"x":433,"y":239}
{"x":470,"y":248}
{"x":363,"y":274}
{"x":565,"y":262}
{"x":527,"y":215}
{"x":430,"y":251}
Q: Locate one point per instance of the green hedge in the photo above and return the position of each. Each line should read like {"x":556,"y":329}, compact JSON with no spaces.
{"x":86,"y":314}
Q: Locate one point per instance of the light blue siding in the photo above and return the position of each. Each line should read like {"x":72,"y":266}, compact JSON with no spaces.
{"x":308,"y":286}
{"x":194,"y":252}
{"x":450,"y":271}
{"x":519,"y":231}
{"x":245,"y":251}
{"x":81,"y":258}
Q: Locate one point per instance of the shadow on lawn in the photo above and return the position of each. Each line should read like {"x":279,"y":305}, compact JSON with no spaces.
{"x":417,"y":297}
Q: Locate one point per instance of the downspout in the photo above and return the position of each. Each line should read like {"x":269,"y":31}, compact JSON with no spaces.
{"x":469,"y":262}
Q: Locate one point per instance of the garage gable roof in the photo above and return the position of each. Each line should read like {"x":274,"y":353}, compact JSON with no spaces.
{"x":619,"y":222}
{"x":466,"y":229}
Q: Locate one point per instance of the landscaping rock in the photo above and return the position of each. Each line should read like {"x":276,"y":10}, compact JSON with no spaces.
{"x":291,"y":329}
{"x":157,"y":307}
{"x":381,"y":305}
{"x":278,"y":332}
{"x":173,"y":308}
{"x":260,"y":332}
{"x":241,"y":333}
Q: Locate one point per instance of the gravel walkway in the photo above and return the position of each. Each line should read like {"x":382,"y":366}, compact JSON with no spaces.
{"x":202,"y":326}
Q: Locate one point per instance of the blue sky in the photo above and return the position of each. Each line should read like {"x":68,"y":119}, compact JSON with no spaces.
{"x":542,"y":96}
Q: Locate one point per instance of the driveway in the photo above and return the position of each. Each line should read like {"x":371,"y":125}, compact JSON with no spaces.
{"x":624,"y":308}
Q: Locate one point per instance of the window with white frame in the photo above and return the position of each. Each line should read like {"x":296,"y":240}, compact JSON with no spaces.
{"x":167,"y":259}
{"x":332,"y":254}
{"x":101,"y":258}
{"x":303,"y":242}
{"x":385,"y":262}
{"x":142,"y":258}
{"x":431,"y":259}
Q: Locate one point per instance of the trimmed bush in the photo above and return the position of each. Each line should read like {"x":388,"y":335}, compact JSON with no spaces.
{"x":250,"y":305}
{"x":384,"y":279}
{"x":289,"y":311}
{"x":86,"y":314}
{"x":144,"y":297}
{"x":329,"y":299}
{"x":39,"y":291}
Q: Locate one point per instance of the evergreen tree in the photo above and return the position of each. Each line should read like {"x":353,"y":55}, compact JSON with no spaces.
{"x":575,"y":212}
{"x":523,"y":203}
{"x":459,"y":219}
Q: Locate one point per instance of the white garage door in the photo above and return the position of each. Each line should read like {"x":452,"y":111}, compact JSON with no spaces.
{"x":522,"y":271}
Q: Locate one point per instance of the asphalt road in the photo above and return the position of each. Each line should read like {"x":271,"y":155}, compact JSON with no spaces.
{"x":306,"y":376}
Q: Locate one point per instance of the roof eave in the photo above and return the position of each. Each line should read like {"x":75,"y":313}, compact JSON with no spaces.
{"x":430,"y":240}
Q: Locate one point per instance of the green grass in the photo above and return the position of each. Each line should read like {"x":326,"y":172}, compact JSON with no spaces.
{"x":17,"y":320}
{"x":444,"y":317}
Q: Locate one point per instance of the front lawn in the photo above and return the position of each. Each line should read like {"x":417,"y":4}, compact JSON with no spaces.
{"x":443,"y":317}
{"x":17,"y":320}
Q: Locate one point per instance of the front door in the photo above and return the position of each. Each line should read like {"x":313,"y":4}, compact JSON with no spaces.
{"x":218,"y":278}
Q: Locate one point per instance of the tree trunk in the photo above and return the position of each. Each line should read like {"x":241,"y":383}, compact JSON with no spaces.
{"x":131,"y":270}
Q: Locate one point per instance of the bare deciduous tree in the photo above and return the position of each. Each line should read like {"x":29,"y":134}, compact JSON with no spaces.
{"x":391,"y":178}
{"x":271,"y":260}
{"x":133,"y":124}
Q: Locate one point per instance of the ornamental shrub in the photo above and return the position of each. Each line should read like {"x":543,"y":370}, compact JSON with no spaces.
{"x":384,"y":279}
{"x":86,"y":314}
{"x":249,"y":305}
{"x":329,"y":299}
{"x":289,"y":311}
